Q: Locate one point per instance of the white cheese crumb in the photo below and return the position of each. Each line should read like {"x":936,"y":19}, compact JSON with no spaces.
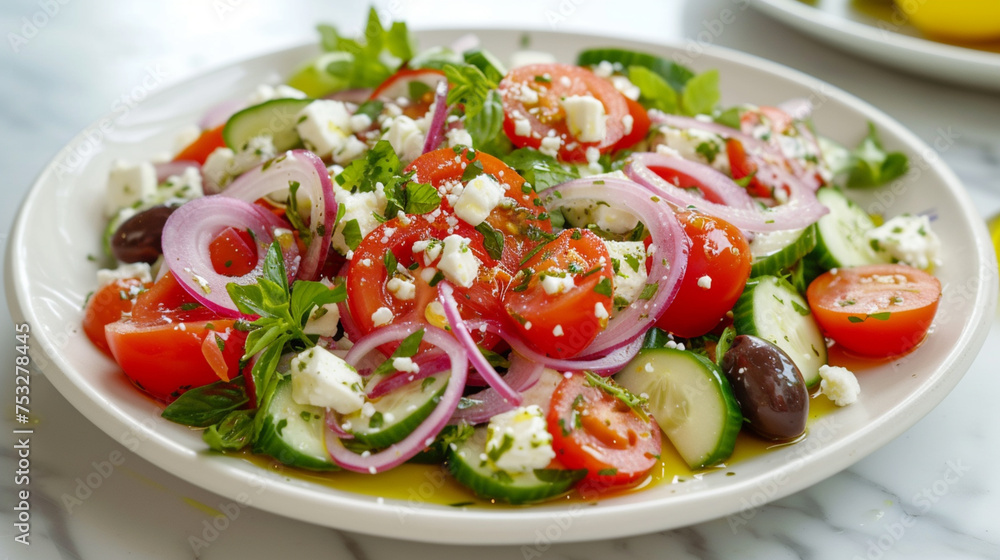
{"x":320,"y":378}
{"x":382,"y":316}
{"x":405,"y":365}
{"x":479,"y":197}
{"x":458,"y":263}
{"x":519,"y":441}
{"x":705,"y":282}
{"x":839,"y":384}
{"x":585,"y":117}
{"x":558,"y":331}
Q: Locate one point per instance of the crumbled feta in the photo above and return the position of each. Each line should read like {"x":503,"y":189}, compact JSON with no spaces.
{"x":585,"y":117}
{"x":406,"y":365}
{"x":217,"y":166}
{"x":458,"y":137}
{"x":402,"y":289}
{"x":323,"y":320}
{"x":223,"y":165}
{"x":527,"y":58}
{"x":907,"y":239}
{"x":694,"y":144}
{"x":186,"y":186}
{"x":405,"y":136}
{"x":839,"y":384}
{"x":604,"y":69}
{"x":705,"y":282}
{"x":479,"y":197}
{"x":519,"y":441}
{"x":557,"y":331}
{"x":550,"y":145}
{"x":600,"y":311}
{"x":360,"y":206}
{"x":267,"y":92}
{"x":557,"y":284}
{"x":382,"y":316}
{"x":628,"y":121}
{"x":140,"y":270}
{"x":626,"y":87}
{"x":629,"y":280}
{"x":360,"y":122}
{"x":128,"y":185}
{"x":458,"y":263}
{"x":522,"y":127}
{"x":431,"y":248}
{"x":326,"y":128}
{"x":320,"y":378}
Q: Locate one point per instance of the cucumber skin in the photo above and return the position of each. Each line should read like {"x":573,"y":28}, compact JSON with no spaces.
{"x":491,"y":488}
{"x":398,"y":430}
{"x":785,"y":258}
{"x":734,"y":417}
{"x":285,"y":110}
{"x":268,"y":440}
{"x":821,"y":254}
{"x":743,"y":319}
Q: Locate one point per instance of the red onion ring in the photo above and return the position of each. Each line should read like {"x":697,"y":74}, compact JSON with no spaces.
{"x":435,"y":133}
{"x":168,"y":169}
{"x":428,"y":367}
{"x":425,"y":433}
{"x":669,"y":262}
{"x":334,"y":427}
{"x":801,"y":209}
{"x":446,"y":295}
{"x":522,"y":375}
{"x":308,"y":170}
{"x":189,"y":232}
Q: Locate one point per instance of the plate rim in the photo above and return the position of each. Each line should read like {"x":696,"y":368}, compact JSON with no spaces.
{"x":236,"y":478}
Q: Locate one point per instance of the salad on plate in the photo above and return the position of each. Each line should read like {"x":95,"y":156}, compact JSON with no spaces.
{"x":543,"y":277}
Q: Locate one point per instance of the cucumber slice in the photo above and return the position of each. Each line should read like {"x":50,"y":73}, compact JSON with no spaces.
{"x":840,"y":240}
{"x":466,"y":465}
{"x":293,"y":433}
{"x":275,"y":118}
{"x":691,"y":401}
{"x":774,"y":310}
{"x":776,"y":252}
{"x":397,"y":413}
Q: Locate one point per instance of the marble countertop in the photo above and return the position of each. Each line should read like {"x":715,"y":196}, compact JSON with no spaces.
{"x":931,"y":493}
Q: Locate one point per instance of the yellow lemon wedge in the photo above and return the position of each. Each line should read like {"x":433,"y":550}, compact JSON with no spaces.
{"x":956,"y":20}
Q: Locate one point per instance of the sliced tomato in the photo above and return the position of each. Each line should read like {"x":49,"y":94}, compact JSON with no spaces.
{"x":875,"y":310}
{"x":233,"y":252}
{"x":166,"y":298}
{"x":166,"y":359}
{"x":417,"y":86}
{"x":445,"y":168}
{"x":717,"y":270}
{"x":203,"y":146}
{"x":640,"y":126}
{"x":534,"y":93}
{"x":558,"y":319}
{"x":367,"y":277}
{"x":594,"y":430}
{"x":107,"y":305}
{"x":741,"y":167}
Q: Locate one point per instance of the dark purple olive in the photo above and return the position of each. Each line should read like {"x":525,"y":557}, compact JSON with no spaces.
{"x":769,"y":387}
{"x":138,"y":239}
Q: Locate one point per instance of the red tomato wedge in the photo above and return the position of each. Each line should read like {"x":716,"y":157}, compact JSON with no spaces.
{"x":639,"y":129}
{"x":553,"y":303}
{"x":535,"y":94}
{"x":595,"y":431}
{"x":416,"y":86}
{"x":720,"y":252}
{"x":875,"y":310}
{"x":233,"y":252}
{"x":445,"y":167}
{"x":106,"y":306}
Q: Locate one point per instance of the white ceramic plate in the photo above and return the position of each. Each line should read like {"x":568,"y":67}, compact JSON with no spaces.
{"x":896,"y":44}
{"x":49,"y":277}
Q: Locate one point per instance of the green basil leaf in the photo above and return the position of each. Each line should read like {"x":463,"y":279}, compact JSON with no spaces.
{"x":654,"y":91}
{"x":352,"y":234}
{"x":421,"y":198}
{"x":487,"y":123}
{"x":492,"y":240}
{"x":540,"y":170}
{"x":233,"y":433}
{"x":701,"y":93}
{"x":203,"y":406}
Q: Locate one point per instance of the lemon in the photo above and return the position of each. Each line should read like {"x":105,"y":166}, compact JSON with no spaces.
{"x":958,"y":20}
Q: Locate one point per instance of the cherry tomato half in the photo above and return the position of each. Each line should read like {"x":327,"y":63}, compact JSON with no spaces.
{"x":876,"y":310}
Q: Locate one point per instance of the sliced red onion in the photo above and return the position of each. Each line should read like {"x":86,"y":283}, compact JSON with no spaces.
{"x":334,"y":427}
{"x":446,"y":295}
{"x":168,"y":169}
{"x":435,"y":134}
{"x":306,"y":169}
{"x":801,"y":209}
{"x":428,"y":367}
{"x":669,"y":260}
{"x":521,"y":376}
{"x":218,"y":114}
{"x":189,"y":232}
{"x":425,"y":433}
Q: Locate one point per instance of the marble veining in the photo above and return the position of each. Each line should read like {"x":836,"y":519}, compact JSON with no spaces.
{"x":931,"y":493}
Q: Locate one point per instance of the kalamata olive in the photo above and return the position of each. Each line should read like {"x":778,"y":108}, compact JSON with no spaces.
{"x":769,"y":387}
{"x":138,"y":238}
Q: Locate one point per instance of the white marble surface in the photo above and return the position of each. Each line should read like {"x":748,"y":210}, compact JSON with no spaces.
{"x":931,"y":493}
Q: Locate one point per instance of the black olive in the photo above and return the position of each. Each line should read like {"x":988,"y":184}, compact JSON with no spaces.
{"x":769,"y":387}
{"x":138,"y":239}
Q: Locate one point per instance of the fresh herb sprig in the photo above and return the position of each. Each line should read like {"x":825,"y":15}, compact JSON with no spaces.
{"x":635,"y":402}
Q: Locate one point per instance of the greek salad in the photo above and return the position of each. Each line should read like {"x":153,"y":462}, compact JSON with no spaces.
{"x":536,"y":274}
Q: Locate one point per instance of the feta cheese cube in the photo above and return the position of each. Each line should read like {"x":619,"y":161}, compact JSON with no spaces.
{"x":458,"y":137}
{"x":405,"y":136}
{"x":458,"y":263}
{"x":694,"y":144}
{"x":320,"y":378}
{"x":907,"y":239}
{"x":382,"y":316}
{"x":629,"y":280}
{"x":186,"y":186}
{"x":128,"y":185}
{"x":360,"y":207}
{"x":323,"y":320}
{"x":403,"y":290}
{"x":522,"y":127}
{"x":519,"y":441}
{"x":839,"y":384}
{"x":480,"y":196}
{"x":217,"y":166}
{"x":585,"y":117}
{"x":557,"y":284}
{"x":141,"y":270}
{"x":325,"y":127}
